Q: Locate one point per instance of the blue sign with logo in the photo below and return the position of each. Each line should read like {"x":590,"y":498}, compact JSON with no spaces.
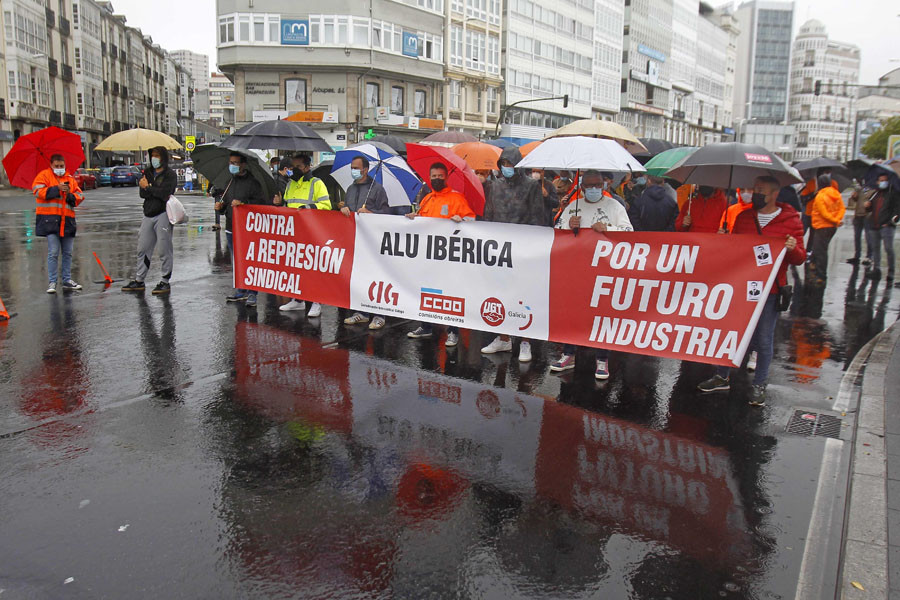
{"x":410,"y":44}
{"x":655,"y":54}
{"x":295,"y":32}
{"x":728,"y":131}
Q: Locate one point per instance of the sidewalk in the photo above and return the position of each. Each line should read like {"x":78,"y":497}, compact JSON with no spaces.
{"x":871,"y":545}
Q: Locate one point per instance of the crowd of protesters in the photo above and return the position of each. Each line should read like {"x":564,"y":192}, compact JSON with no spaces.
{"x":589,"y":200}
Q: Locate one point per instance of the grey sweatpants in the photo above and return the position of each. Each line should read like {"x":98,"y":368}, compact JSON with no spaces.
{"x":153,"y":230}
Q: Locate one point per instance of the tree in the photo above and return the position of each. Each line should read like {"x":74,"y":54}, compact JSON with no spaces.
{"x":876,"y":145}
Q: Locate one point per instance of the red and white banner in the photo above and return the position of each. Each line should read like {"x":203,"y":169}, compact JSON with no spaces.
{"x":676,"y":295}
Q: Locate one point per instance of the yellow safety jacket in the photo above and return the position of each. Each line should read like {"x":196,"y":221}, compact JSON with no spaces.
{"x":307,"y":192}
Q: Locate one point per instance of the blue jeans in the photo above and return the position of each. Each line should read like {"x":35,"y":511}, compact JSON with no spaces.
{"x":763,"y":342}
{"x":877,"y":237}
{"x":237,"y":291}
{"x":54,"y":245}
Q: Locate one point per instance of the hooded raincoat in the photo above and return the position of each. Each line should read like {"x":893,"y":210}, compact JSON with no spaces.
{"x":518,"y":199}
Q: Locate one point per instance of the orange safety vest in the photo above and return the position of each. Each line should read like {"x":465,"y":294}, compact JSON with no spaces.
{"x":45,"y":180}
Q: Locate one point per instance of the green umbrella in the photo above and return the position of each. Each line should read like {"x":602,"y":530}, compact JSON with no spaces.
{"x":662,"y":162}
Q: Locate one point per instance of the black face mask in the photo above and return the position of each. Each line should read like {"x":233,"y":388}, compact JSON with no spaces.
{"x":297,"y":175}
{"x":758,"y":200}
{"x":438,"y":184}
{"x":706,"y":191}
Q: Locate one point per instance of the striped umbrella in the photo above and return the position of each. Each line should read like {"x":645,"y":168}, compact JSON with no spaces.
{"x":388,"y":169}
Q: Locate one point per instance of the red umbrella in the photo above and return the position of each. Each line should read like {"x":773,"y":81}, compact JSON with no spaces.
{"x":460,"y":176}
{"x":31,"y":154}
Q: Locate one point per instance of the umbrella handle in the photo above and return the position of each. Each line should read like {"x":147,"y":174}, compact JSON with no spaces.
{"x":578,"y":187}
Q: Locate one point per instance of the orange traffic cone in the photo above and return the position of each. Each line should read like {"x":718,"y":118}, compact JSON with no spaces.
{"x":4,"y":316}
{"x":106,"y":278}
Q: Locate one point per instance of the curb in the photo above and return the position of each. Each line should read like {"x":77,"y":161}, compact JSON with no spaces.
{"x":864,"y":553}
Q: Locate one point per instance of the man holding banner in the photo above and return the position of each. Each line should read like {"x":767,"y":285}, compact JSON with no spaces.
{"x":771,"y":218}
{"x":442,"y":203}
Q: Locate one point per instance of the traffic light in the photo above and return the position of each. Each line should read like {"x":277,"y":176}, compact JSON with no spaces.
{"x":818,"y":88}
{"x":566,"y":101}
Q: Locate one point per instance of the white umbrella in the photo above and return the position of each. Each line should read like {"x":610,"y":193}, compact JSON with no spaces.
{"x":580,"y":154}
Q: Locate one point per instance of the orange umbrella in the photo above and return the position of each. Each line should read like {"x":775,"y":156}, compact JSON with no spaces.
{"x":529,"y":147}
{"x":478,"y":155}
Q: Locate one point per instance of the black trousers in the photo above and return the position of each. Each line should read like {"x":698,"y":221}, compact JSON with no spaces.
{"x":819,"y":258}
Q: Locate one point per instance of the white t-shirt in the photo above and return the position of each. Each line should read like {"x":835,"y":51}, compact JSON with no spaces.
{"x":765,"y":219}
{"x":607,"y":211}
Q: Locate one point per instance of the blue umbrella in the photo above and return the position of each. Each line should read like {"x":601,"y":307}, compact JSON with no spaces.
{"x":388,"y":169}
{"x":500,"y":143}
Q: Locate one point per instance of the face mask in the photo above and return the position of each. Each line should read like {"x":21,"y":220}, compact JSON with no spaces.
{"x":641,"y":181}
{"x":883,"y":185}
{"x":296,"y":175}
{"x":234,"y":169}
{"x":59,"y":172}
{"x":288,"y":172}
{"x":706,"y":191}
{"x":507,"y":171}
{"x":593,"y":194}
{"x":356,"y":174}
{"x":155,"y":162}
{"x":758,"y":200}
{"x":746,"y":197}
{"x":438,"y":184}
{"x":536,"y":176}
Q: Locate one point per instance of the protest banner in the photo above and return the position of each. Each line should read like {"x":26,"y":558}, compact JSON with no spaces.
{"x":687,"y":296}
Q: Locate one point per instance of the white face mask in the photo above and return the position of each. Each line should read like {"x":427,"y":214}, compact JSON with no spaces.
{"x":536,"y":176}
{"x":883,"y":185}
{"x":59,"y":172}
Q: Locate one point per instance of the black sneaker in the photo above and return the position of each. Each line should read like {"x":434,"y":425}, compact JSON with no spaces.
{"x":161,"y":288}
{"x":236,"y":297}
{"x":852,"y":261}
{"x":134,"y":286}
{"x":758,"y":395}
{"x":716,"y":383}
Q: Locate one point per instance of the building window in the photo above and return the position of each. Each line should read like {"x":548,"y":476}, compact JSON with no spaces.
{"x":274,"y":29}
{"x":478,"y":100}
{"x":456,"y":46}
{"x":226,"y":29}
{"x":373,"y":95}
{"x":455,"y":93}
{"x":295,"y":94}
{"x":244,"y":28}
{"x":397,"y":100}
{"x":259,"y":28}
{"x":492,"y":100}
{"x":420,"y":98}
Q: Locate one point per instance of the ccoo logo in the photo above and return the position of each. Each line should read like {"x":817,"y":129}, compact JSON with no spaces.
{"x":492,"y":312}
{"x":382,"y":293}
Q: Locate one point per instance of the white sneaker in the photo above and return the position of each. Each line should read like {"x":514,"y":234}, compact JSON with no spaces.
{"x":51,"y":289}
{"x":525,"y":352}
{"x":497,"y":345}
{"x":70,"y":285}
{"x":452,"y":340}
{"x":751,"y":361}
{"x":315,"y":310}
{"x":377,"y":323}
{"x":356,"y":319}
{"x":293,"y":305}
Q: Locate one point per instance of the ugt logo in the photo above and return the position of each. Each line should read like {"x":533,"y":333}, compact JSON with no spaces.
{"x":382,"y":293}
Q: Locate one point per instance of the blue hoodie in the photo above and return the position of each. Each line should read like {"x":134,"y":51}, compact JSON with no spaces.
{"x":655,"y":210}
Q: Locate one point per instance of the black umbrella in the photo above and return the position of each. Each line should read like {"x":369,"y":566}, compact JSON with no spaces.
{"x":211,"y":160}
{"x":808,"y":168}
{"x":655,"y":146}
{"x":731,"y":165}
{"x":323,"y":172}
{"x":277,"y":135}
{"x":396,"y":143}
{"x":859,"y":166}
{"x":878,"y":169}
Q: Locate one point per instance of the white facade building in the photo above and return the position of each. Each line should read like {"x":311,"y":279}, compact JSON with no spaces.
{"x":196,"y":64}
{"x":823,"y":123}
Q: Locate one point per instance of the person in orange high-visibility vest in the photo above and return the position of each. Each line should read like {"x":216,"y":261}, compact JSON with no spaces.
{"x":732,"y":212}
{"x":57,"y":194}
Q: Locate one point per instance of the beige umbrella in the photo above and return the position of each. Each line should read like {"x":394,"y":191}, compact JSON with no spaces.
{"x":137,"y":140}
{"x":601,"y":129}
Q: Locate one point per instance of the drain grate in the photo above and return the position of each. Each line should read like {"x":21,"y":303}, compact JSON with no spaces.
{"x":805,"y":422}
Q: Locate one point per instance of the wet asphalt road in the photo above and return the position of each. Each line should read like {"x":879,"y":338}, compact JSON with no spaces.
{"x":184,"y":448}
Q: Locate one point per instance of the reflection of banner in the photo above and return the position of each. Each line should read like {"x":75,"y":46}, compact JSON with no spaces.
{"x":687,"y":296}
{"x":289,"y":377}
{"x":663,"y":486}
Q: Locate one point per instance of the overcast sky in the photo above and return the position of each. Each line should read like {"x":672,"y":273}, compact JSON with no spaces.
{"x":873,"y":25}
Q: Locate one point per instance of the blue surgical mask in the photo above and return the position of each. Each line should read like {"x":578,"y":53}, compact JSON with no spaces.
{"x":883,"y":185}
{"x":234,"y":169}
{"x":593,"y":194}
{"x":155,"y":162}
{"x":507,"y":171}
{"x":641,"y":181}
{"x":356,"y":174}
{"x":288,"y":172}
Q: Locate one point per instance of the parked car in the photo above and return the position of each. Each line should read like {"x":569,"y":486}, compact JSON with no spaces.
{"x":125,"y":176}
{"x":86,"y":180}
{"x":105,"y":177}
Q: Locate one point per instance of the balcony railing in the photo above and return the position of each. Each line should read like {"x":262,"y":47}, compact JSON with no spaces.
{"x":124,"y":91}
{"x":122,"y":55}
{"x":55,"y":118}
{"x":115,"y":89}
{"x":113,"y":51}
{"x":67,"y":72}
{"x":69,"y":120}
{"x":53,"y":66}
{"x":51,"y":18}
{"x":64,"y":26}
